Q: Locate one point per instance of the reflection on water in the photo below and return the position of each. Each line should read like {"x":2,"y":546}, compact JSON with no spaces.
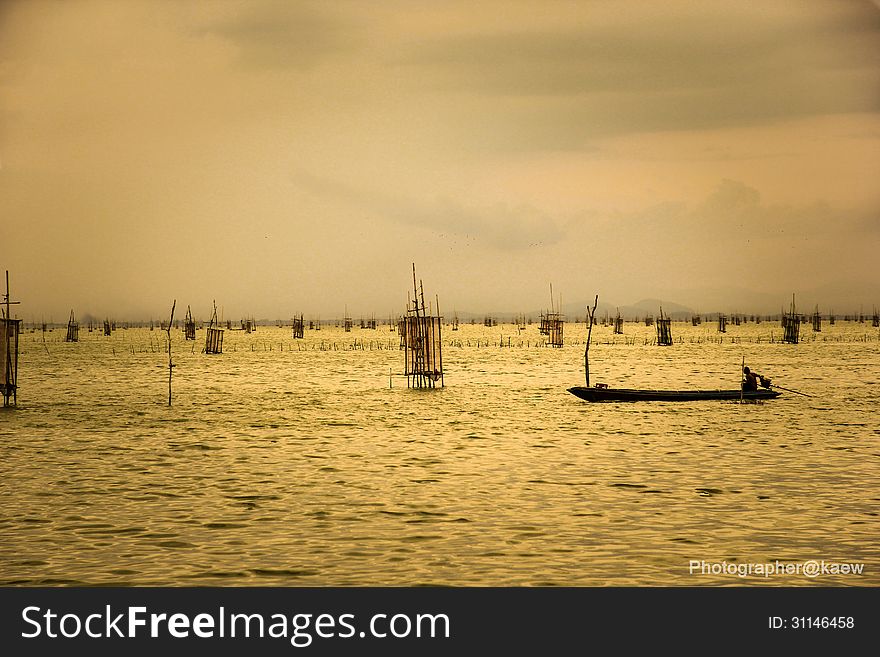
{"x":289,"y":462}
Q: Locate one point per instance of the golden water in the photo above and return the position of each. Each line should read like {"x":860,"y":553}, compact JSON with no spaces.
{"x":293,"y":462}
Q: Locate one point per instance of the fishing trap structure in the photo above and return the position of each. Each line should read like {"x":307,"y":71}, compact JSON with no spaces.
{"x":552,"y":323}
{"x":664,"y":329}
{"x":555,"y":325}
{"x":72,"y":329}
{"x":298,"y":327}
{"x":422,"y":341}
{"x":401,"y":332}
{"x":618,"y":324}
{"x":189,"y":326}
{"x":11,"y":329}
{"x":214,"y":335}
{"x":791,"y":325}
{"x":722,"y":323}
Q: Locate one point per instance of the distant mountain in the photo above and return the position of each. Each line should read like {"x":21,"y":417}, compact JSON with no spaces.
{"x":652,"y":307}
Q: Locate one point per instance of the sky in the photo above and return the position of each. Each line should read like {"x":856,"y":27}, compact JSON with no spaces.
{"x":286,"y":157}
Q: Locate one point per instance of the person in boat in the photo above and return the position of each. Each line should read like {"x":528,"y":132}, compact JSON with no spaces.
{"x":750,"y":380}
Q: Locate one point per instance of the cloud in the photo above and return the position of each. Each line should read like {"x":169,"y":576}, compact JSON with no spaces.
{"x":730,"y":237}
{"x":717,"y":46}
{"x":733,"y":218}
{"x":284,"y":35}
{"x":500,"y":226}
{"x":647,"y":69}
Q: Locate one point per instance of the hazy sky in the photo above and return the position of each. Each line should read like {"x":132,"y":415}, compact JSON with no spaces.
{"x":297,"y":156}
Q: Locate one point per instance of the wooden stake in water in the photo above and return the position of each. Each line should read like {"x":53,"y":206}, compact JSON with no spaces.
{"x":170,"y":364}
{"x":742,"y":379}
{"x":590,"y":313}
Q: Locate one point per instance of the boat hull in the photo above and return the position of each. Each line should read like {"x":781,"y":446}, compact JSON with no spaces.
{"x":624,"y":394}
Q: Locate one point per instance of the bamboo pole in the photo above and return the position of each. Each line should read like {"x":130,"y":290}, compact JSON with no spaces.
{"x":440,"y":340}
{"x":170,"y":364}
{"x":589,"y":334}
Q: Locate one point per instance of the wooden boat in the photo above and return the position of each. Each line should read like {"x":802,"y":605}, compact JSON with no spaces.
{"x":602,"y":393}
{"x":606,"y":394}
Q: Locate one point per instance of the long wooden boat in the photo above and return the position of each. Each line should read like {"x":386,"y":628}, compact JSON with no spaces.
{"x":604,"y":394}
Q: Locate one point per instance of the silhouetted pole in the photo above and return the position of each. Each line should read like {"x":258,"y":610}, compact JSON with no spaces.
{"x":589,"y":333}
{"x":170,"y":364}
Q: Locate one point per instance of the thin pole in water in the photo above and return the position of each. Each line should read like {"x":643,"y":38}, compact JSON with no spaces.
{"x":170,"y":364}
{"x":589,"y":333}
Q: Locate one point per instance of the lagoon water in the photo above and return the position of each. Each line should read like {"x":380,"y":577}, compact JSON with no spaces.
{"x":294,"y":462}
